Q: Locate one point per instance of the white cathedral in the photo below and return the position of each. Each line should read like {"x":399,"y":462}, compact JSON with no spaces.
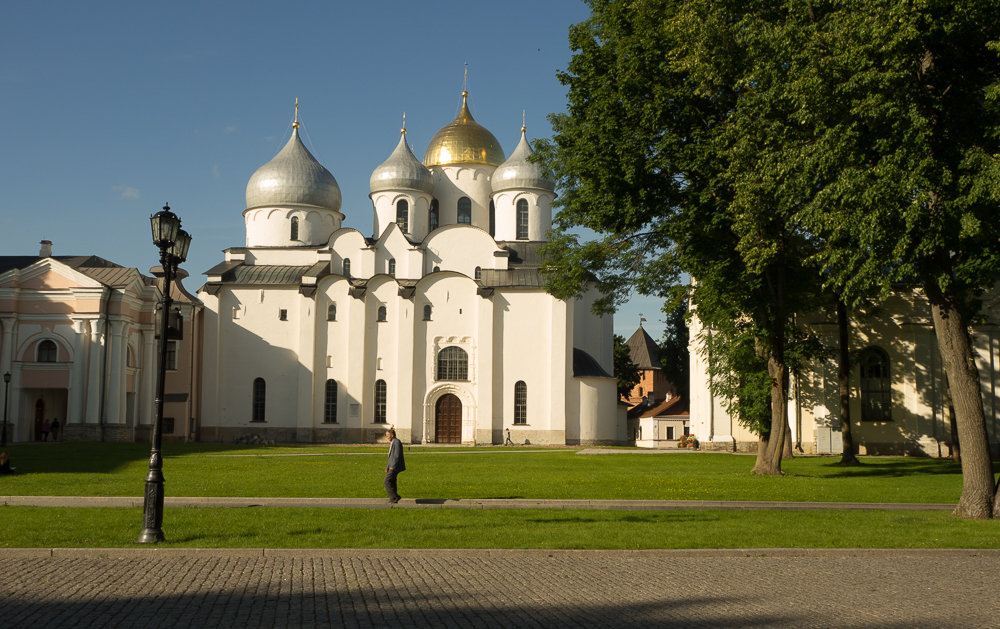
{"x":437,"y":323}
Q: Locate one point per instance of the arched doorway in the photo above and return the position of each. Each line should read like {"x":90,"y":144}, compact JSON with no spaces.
{"x":448,"y":419}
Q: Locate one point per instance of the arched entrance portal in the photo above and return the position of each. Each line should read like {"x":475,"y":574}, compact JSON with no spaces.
{"x":448,"y":419}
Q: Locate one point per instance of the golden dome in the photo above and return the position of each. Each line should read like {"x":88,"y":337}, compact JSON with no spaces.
{"x":463,"y":141}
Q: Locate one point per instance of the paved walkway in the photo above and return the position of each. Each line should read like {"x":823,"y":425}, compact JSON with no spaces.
{"x":473,"y":503}
{"x":498,"y":588}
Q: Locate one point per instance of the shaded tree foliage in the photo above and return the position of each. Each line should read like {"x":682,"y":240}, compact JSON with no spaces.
{"x":626,"y":371}
{"x":745,"y":142}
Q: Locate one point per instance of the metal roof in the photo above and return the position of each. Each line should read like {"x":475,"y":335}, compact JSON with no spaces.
{"x":643,"y":350}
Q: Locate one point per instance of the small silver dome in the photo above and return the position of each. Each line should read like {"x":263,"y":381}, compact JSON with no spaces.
{"x":402,"y":171}
{"x":518,"y":173}
{"x":293,"y":177}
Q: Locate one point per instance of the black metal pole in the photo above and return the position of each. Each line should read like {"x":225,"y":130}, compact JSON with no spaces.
{"x":152,"y":504}
{"x":6,"y":395}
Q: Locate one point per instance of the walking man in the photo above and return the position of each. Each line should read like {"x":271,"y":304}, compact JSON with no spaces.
{"x":395,"y":465}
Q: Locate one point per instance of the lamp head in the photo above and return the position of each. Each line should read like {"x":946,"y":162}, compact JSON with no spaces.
{"x":165,"y":225}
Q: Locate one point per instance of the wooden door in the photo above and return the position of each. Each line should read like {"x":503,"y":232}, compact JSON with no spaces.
{"x":448,"y":419}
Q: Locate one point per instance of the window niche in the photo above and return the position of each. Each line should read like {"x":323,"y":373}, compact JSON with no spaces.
{"x":522,"y":219}
{"x":876,"y":387}
{"x":48,"y":352}
{"x":464,"y":211}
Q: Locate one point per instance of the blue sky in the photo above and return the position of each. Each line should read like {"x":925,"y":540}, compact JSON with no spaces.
{"x":111,"y":109}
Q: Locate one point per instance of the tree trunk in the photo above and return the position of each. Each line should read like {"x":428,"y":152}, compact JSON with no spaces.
{"x":849,"y":454}
{"x":769,"y":461}
{"x":978,"y":486}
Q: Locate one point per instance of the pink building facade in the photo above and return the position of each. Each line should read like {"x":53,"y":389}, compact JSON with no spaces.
{"x":78,"y":338}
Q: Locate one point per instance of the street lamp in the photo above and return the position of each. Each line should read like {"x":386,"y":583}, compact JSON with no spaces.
{"x":6,"y":391}
{"x":173,"y":243}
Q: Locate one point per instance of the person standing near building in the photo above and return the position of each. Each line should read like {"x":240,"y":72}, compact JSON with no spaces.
{"x":46,"y":426}
{"x":55,"y":429}
{"x":395,"y":465}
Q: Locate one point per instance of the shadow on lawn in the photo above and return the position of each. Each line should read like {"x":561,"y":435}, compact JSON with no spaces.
{"x":73,"y":457}
{"x":891,"y":468}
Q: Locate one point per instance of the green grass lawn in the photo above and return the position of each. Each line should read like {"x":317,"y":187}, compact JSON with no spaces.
{"x":102,"y":469}
{"x":463,"y":473}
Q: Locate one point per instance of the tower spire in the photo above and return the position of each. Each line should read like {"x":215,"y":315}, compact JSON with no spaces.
{"x":403,"y":130}
{"x":523,"y":126}
{"x":295,"y":123}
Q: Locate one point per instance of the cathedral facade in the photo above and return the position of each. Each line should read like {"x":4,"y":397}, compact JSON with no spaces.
{"x":436,"y":323}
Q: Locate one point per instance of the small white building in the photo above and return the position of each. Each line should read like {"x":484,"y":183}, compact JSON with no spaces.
{"x":436,"y":323}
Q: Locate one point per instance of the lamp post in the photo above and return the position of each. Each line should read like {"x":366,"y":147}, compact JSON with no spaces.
{"x":173,"y":243}
{"x":6,"y":392}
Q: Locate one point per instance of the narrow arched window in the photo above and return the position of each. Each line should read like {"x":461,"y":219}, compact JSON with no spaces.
{"x":129,"y":357}
{"x":876,"y":388}
{"x":522,"y":219}
{"x":478,"y":273}
{"x":380,"y":313}
{"x":331,"y":312}
{"x":427,"y":312}
{"x":330,"y":407}
{"x":47,"y":352}
{"x":433,"y":215}
{"x":520,"y":402}
{"x":295,"y":228}
{"x":259,"y":391}
{"x":403,"y":215}
{"x":392,"y":267}
{"x":493,"y":219}
{"x":452,"y":364}
{"x":380,"y":401}
{"x":347,"y":267}
{"x":465,"y":211}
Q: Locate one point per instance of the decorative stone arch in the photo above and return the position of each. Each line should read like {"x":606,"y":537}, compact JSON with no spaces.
{"x":463,"y":392}
{"x":28,"y":351}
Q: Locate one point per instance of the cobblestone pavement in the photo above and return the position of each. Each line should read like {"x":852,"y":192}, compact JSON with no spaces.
{"x":498,"y":588}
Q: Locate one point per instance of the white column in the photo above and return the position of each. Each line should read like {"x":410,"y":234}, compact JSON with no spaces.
{"x":116,"y":374}
{"x":75,"y":410}
{"x":95,"y":381}
{"x":560,"y":370}
{"x":486,"y":421}
{"x":409,"y":412}
{"x":307,"y":406}
{"x":8,"y":343}
{"x":8,"y":325}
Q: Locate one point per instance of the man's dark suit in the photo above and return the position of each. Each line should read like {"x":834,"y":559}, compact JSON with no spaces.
{"x":393,"y":468}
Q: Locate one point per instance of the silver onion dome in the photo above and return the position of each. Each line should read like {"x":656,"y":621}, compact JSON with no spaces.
{"x":293,"y":177}
{"x":519,"y":173}
{"x":402,"y":171}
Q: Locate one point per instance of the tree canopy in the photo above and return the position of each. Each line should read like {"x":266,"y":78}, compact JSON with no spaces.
{"x":770,"y":148}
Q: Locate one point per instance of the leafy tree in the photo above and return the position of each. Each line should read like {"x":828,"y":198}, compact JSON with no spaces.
{"x":905,"y":165}
{"x":724,"y":137}
{"x":625,"y":370}
{"x":657,"y":155}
